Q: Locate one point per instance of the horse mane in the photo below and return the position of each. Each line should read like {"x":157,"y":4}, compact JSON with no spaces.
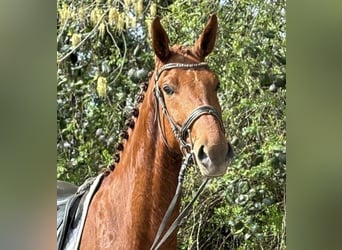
{"x":129,"y":124}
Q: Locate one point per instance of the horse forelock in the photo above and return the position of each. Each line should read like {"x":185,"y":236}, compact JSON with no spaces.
{"x":180,"y":54}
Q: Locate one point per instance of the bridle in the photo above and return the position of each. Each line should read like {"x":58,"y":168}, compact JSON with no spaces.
{"x":181,"y":133}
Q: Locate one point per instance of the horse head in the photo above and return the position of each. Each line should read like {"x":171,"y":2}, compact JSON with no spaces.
{"x":190,"y":115}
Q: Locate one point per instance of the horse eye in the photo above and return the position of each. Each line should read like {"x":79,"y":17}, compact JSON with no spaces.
{"x":168,"y":90}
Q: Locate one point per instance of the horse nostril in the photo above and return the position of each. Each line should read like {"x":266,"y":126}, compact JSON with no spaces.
{"x":230,"y":153}
{"x":201,"y":154}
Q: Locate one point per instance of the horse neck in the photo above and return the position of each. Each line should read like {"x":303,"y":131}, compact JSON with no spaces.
{"x":146,"y":176}
{"x":146,"y":155}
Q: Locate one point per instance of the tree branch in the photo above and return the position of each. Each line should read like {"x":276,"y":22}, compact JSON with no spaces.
{"x":87,"y":36}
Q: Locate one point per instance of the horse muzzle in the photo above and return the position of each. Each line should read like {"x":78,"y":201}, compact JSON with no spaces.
{"x":213,"y":160}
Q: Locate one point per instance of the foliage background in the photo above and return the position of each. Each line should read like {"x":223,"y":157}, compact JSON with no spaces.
{"x":103,"y":52}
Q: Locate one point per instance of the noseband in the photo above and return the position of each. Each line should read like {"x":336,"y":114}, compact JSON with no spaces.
{"x":181,"y":133}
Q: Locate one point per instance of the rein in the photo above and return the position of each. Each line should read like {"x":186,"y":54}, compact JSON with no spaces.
{"x":181,"y":133}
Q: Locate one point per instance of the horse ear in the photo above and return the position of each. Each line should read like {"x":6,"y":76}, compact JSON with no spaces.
{"x":160,"y":40}
{"x":206,"y":41}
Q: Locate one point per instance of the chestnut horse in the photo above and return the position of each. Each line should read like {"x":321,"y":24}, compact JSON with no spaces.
{"x":130,"y":204}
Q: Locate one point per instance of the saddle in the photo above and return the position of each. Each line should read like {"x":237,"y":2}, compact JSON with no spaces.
{"x":72,"y":207}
